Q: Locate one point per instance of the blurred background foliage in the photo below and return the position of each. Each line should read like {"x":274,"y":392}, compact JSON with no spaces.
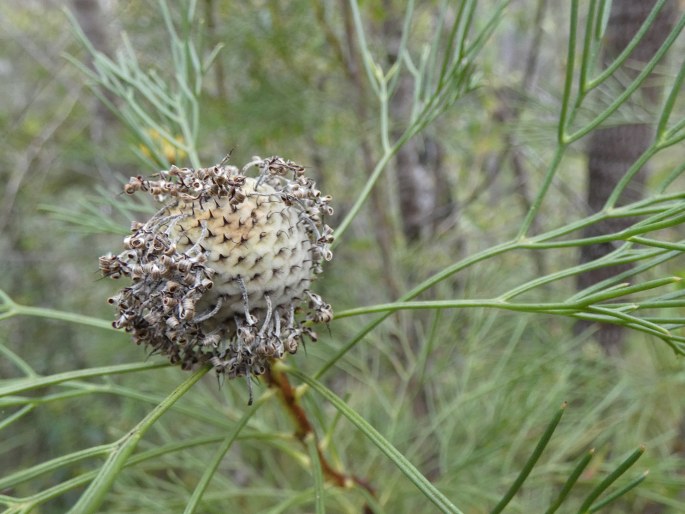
{"x":465,"y":394}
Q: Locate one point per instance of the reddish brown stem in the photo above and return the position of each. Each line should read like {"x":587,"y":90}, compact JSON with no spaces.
{"x":303,"y":428}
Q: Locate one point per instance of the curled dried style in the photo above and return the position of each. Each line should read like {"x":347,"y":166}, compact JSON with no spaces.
{"x":221,"y":273}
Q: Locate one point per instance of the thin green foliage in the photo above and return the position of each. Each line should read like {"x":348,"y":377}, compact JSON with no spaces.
{"x":610,"y":479}
{"x":431,"y":493}
{"x":94,"y":494}
{"x":163,"y":109}
{"x":530,"y":463}
{"x":571,"y":481}
{"x":89,"y":217}
{"x":211,"y":469}
{"x":162,"y":112}
{"x":9,"y":308}
{"x":320,"y":506}
{"x":435,"y":90}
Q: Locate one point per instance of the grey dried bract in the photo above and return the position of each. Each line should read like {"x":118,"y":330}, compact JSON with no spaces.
{"x":221,"y":273}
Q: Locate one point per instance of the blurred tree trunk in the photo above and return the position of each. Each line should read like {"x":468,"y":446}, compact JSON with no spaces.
{"x":612,"y":150}
{"x":93,"y":20}
{"x":422,"y":185}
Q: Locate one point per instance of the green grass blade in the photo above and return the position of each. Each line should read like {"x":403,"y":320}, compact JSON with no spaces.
{"x":617,"y":494}
{"x":29,"y":384}
{"x":407,"y":468}
{"x":313,"y":451}
{"x":530,"y":463}
{"x":213,"y":464}
{"x":613,"y":476}
{"x":94,"y":495}
{"x":571,"y":481}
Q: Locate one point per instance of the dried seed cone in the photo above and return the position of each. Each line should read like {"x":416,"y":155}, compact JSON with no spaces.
{"x":220,"y":272}
{"x":261,"y":242}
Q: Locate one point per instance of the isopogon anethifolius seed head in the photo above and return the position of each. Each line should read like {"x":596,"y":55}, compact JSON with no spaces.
{"x":221,"y":274}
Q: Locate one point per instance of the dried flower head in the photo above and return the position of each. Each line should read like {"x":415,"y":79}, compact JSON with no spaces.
{"x":220,"y":273}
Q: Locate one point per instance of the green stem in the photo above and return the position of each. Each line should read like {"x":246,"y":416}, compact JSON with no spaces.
{"x":568,"y":82}
{"x":617,"y":494}
{"x":530,"y":463}
{"x":20,"y":363}
{"x":406,"y":467}
{"x":363,"y":47}
{"x":626,"y":290}
{"x":51,"y":465}
{"x":31,"y":383}
{"x":219,"y":454}
{"x":628,"y":176}
{"x":70,"y":317}
{"x":634,"y":85}
{"x":53,"y":492}
{"x":571,"y":481}
{"x":604,"y":484}
{"x":94,"y":495}
{"x":609,"y":70}
{"x":423,"y":286}
{"x":15,"y":416}
{"x":586,"y":61}
{"x":313,"y":450}
{"x":364,"y":194}
{"x":669,"y":103}
{"x":537,"y":202}
{"x":456,"y":304}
